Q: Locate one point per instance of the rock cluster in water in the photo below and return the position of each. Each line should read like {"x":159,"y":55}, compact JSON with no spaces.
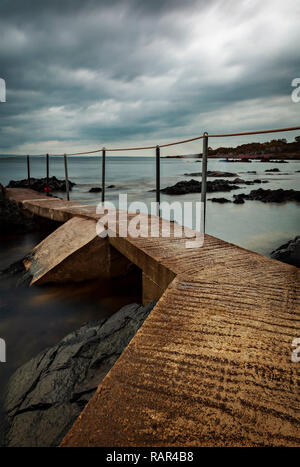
{"x":289,"y":252}
{"x":241,"y":181}
{"x":193,"y":186}
{"x":40,"y":184}
{"x":272,"y":170}
{"x":266,"y":196}
{"x":213,"y":173}
{"x":270,"y":196}
{"x":46,"y":395}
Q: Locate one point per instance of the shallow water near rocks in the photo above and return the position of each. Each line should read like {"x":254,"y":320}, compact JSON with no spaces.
{"x":254,"y":225}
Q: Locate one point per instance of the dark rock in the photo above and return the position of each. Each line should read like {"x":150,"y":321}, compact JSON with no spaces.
{"x":193,"y":186}
{"x":289,"y":252}
{"x":111,"y":186}
{"x":14,"y":220}
{"x":238,"y":199}
{"x":248,"y":182}
{"x":95,"y":189}
{"x":14,"y":269}
{"x":213,"y":173}
{"x":40,"y":184}
{"x":257,"y":180}
{"x":46,"y":395}
{"x":238,"y":181}
{"x":220,"y":200}
{"x":271,"y":196}
{"x":251,"y":172}
{"x":272,"y":170}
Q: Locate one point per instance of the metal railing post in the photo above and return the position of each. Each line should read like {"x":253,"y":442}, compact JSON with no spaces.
{"x":66,"y":177}
{"x":28,"y":170}
{"x":158,"y":179}
{"x":47,"y":173}
{"x":103,"y":175}
{"x":203,"y":182}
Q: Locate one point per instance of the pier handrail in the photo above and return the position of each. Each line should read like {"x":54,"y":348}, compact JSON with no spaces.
{"x":157,"y":148}
{"x":173,"y":143}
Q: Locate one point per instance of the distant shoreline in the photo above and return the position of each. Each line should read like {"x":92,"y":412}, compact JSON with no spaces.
{"x":255,"y":157}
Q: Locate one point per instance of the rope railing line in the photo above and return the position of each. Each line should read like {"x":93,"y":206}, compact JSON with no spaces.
{"x":154,"y":147}
{"x":255,"y":132}
{"x":144,"y":148}
{"x":205,"y":156}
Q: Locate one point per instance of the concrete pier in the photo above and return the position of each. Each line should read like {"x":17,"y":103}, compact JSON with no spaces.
{"x":211,"y":365}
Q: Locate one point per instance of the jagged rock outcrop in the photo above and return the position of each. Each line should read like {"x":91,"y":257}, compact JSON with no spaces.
{"x":289,"y":252}
{"x":47,"y":394}
{"x":40,"y":184}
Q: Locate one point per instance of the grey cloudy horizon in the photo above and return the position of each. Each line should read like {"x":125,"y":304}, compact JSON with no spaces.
{"x":82,"y":75}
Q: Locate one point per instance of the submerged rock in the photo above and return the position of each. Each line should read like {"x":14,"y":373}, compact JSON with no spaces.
{"x":289,"y":252}
{"x":40,"y":184}
{"x":272,"y":170}
{"x":220,"y":200}
{"x":213,"y":173}
{"x":193,"y":186}
{"x":46,"y":395}
{"x":95,"y":189}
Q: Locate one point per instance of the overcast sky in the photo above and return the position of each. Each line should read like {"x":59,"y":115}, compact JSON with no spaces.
{"x":84,"y":74}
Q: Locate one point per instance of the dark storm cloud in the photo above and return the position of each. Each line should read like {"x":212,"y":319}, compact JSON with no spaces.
{"x":81,"y":74}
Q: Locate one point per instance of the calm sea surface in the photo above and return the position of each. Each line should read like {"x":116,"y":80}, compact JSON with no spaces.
{"x":33,"y":318}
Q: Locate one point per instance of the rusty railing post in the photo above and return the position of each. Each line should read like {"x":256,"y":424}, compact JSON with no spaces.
{"x":103,"y":175}
{"x":203,"y":182}
{"x":47,"y":173}
{"x":66,"y":177}
{"x":28,"y":170}
{"x":158,"y":179}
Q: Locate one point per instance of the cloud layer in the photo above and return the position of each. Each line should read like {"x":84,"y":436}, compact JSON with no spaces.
{"x":81,"y":75}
